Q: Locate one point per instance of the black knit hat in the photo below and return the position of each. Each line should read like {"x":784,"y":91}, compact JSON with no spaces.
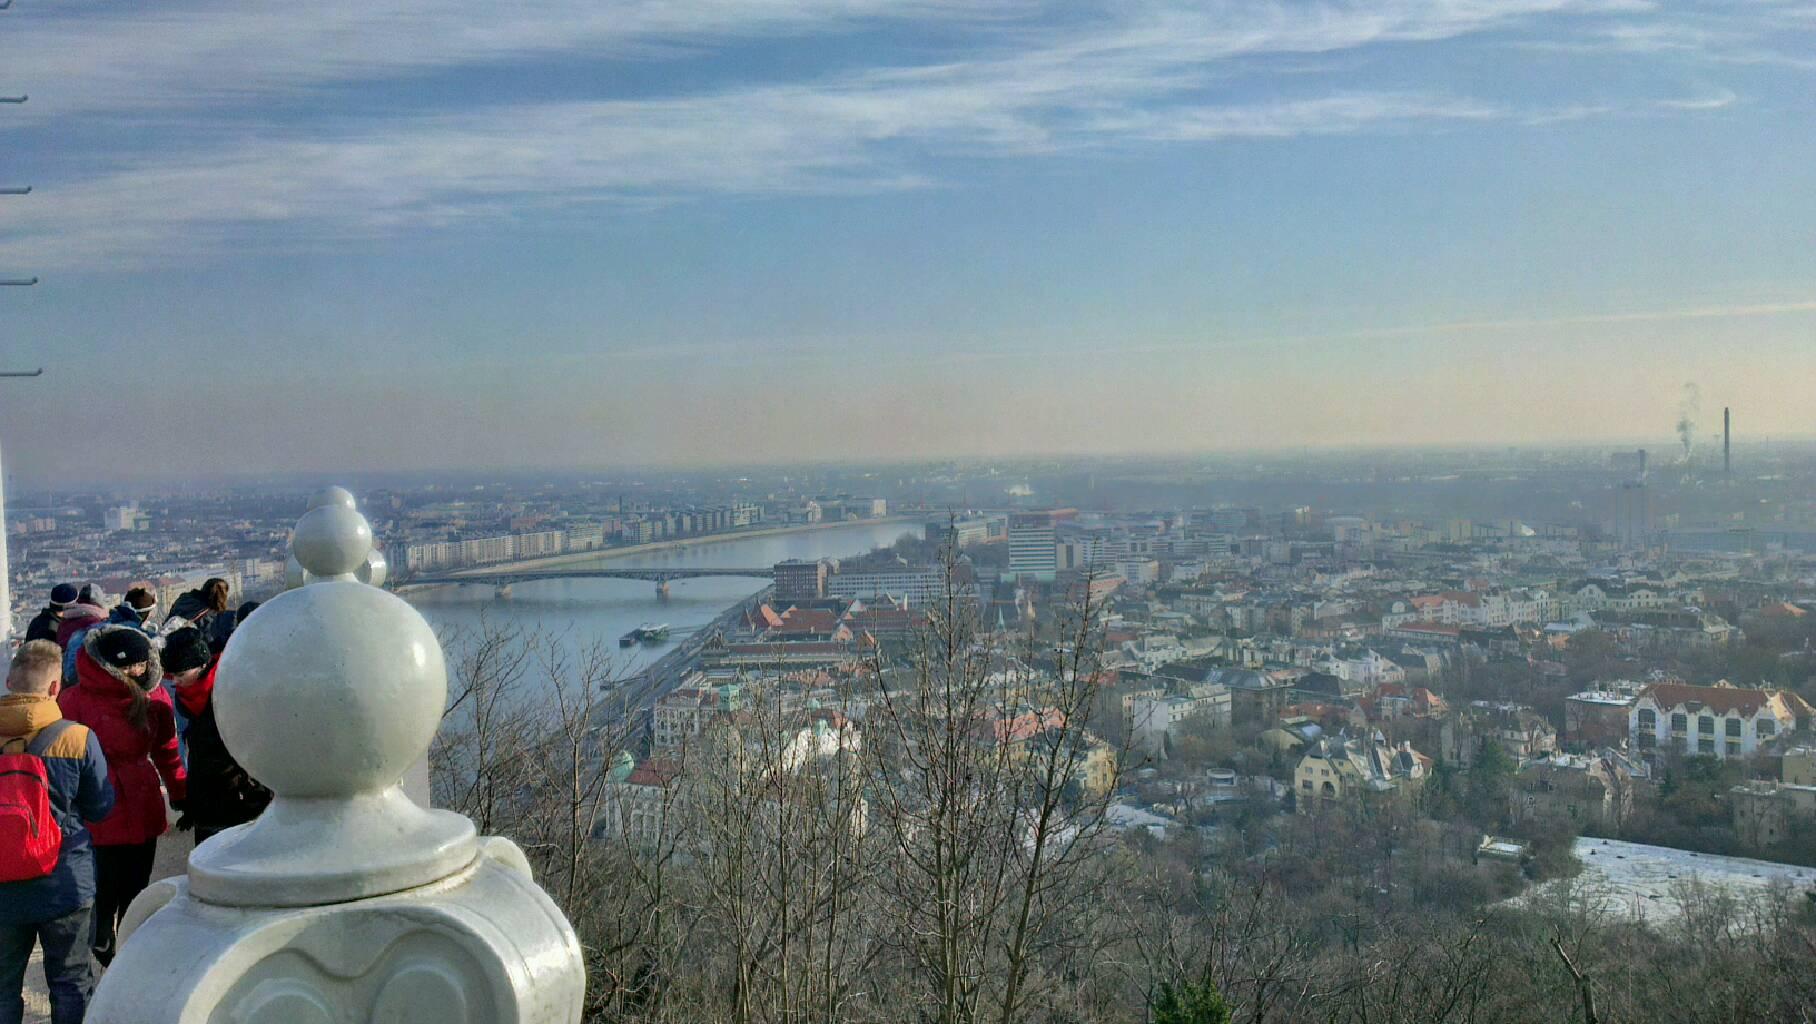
{"x":122,"y":647}
{"x":63,"y":593}
{"x":185,"y":649}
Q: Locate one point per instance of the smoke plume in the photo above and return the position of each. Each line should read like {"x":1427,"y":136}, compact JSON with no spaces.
{"x":1687,"y":410}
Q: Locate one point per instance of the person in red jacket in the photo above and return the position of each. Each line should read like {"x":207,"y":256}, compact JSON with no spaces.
{"x":121,"y":701}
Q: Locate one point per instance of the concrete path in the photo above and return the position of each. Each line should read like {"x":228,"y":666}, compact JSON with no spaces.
{"x":173,"y":859}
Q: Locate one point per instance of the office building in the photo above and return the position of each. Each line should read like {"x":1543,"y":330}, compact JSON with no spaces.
{"x":1033,"y":546}
{"x":800,"y":579}
{"x":1632,"y":514}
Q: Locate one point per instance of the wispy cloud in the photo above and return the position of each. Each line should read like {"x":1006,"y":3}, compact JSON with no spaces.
{"x":1137,"y":73}
{"x":1710,"y":101}
{"x":1760,"y":34}
{"x":188,"y":55}
{"x":753,"y":142}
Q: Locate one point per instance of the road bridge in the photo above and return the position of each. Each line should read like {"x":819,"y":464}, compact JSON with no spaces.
{"x":504,"y":580}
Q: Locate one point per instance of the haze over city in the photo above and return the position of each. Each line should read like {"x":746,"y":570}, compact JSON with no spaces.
{"x":908,"y":511}
{"x":385,"y":236}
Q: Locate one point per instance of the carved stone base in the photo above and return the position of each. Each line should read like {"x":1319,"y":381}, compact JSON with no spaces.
{"x":483,"y":946}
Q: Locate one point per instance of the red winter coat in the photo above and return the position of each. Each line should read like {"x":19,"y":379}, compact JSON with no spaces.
{"x":78,"y":617}
{"x":135,"y":758}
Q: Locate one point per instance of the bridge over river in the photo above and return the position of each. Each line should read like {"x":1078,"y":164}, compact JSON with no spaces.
{"x":503,"y":580}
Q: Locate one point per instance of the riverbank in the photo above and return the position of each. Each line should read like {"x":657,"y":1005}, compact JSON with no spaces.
{"x":656,"y":547}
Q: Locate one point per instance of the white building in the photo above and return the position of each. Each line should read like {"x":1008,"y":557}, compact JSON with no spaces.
{"x":1152,"y":652}
{"x":541,"y":544}
{"x":1721,"y":721}
{"x":1369,"y":668}
{"x":1139,"y":571}
{"x":1033,"y":546}
{"x":1153,"y":718}
{"x":126,"y":519}
{"x":915,"y":586}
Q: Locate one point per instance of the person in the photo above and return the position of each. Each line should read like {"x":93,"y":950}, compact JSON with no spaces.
{"x":54,"y":911}
{"x":44,"y":625}
{"x":90,"y":608}
{"x":206,"y":609}
{"x":133,"y":611}
{"x":221,"y":794}
{"x":119,"y":696}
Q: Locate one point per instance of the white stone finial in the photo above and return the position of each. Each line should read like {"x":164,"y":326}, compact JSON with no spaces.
{"x":332,"y":541}
{"x":328,"y":697}
{"x":344,"y":901}
{"x":327,"y":539}
{"x":334,"y":496}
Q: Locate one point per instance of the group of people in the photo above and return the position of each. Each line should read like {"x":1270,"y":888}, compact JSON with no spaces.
{"x":107,"y":720}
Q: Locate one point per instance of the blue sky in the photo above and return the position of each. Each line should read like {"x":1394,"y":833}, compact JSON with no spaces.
{"x":372,"y":234}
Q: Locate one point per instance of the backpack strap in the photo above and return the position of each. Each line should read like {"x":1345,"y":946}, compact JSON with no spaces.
{"x":48,"y":735}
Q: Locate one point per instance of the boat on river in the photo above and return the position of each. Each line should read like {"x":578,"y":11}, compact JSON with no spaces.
{"x":648,"y":633}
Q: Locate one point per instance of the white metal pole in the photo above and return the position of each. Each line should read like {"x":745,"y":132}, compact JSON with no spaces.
{"x":6,"y":593}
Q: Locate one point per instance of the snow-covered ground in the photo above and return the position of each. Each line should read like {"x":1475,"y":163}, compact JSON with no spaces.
{"x":1644,"y":881}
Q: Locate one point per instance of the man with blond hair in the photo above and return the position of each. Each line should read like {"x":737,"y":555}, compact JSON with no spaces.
{"x":54,"y":909}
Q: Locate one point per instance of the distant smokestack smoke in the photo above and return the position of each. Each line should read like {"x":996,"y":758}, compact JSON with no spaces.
{"x":1727,"y":440}
{"x":1687,"y":410}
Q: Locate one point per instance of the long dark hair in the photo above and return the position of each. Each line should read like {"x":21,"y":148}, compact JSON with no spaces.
{"x":214,"y":591}
{"x":138,"y":713}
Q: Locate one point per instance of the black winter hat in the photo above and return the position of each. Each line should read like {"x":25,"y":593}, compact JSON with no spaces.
{"x":122,"y":647}
{"x":92,"y":594}
{"x":63,"y":593}
{"x":185,"y":649}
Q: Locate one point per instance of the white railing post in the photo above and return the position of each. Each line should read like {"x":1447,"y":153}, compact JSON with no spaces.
{"x":345,"y":901}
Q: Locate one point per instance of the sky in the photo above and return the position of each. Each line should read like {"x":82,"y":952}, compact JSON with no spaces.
{"x":371,"y":235}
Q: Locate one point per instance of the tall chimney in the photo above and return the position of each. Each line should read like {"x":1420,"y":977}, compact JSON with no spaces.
{"x":1727,"y":437}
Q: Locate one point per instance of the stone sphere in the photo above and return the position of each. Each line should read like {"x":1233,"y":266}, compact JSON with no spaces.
{"x":332,"y":540}
{"x":334,"y":496}
{"x":331,"y":690}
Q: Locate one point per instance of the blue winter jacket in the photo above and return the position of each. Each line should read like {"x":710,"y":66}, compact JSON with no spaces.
{"x":79,"y":793}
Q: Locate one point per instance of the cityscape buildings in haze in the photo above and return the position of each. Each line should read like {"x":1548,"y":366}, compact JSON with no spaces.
{"x":1129,"y":511}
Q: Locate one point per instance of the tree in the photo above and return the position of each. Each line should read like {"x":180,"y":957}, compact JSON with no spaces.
{"x":1190,"y":1002}
{"x":990,"y":878}
{"x":1591,"y":656}
{"x":1490,"y":779}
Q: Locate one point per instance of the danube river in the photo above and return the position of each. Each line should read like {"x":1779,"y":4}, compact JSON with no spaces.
{"x":581,"y":611}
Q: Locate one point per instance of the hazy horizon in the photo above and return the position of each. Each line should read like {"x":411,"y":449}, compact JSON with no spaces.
{"x":1667,"y":462}
{"x":385,"y":236}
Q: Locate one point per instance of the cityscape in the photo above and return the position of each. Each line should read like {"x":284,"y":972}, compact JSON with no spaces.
{"x":1580,"y":678}
{"x":909,"y":512}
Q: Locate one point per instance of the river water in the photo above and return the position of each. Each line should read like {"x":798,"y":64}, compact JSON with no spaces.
{"x":581,"y":611}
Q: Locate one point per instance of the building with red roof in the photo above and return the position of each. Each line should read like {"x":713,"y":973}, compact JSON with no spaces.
{"x":1721,"y":721}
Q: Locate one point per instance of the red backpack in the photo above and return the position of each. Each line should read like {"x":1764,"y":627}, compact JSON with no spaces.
{"x":30,"y":838}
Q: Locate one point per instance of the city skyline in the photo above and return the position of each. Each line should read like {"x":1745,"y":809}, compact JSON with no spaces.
{"x":366,"y":237}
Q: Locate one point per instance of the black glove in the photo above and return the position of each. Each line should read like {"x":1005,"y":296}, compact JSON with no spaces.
{"x":185,"y":822}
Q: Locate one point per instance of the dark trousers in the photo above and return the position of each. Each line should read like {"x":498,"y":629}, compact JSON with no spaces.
{"x":121,"y":872}
{"x":68,"y":966}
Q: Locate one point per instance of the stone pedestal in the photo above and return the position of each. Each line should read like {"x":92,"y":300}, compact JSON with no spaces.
{"x":346,"y":901}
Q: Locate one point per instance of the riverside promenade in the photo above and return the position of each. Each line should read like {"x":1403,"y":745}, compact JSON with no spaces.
{"x":640,"y":692}
{"x":660,"y":546}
